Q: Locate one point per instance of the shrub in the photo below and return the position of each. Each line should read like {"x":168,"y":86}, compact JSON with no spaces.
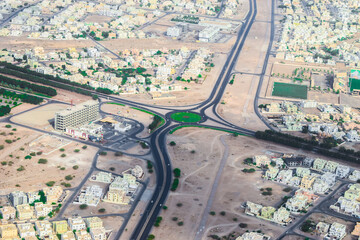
{"x":177,"y":172}
{"x":84,"y":147}
{"x":212,"y":213}
{"x":102,"y":210}
{"x":118,"y":154}
{"x":179,"y":204}
{"x":242,"y":225}
{"x":14,"y":129}
{"x":287,"y":189}
{"x":165,"y":207}
{"x":38,"y":153}
{"x":83,"y":206}
{"x":75,"y":167}
{"x":62,"y":150}
{"x":63,"y":155}
{"x":1,"y":147}
{"x":222,"y":213}
{"x":21,"y":168}
{"x":8,"y":141}
{"x":174,"y":219}
{"x":50,"y":183}
{"x":3,"y":163}
{"x":77,"y":150}
{"x":172,"y":143}
{"x":33,"y":154}
{"x":62,"y":168}
{"x":68,"y":177}
{"x":8,"y":126}
{"x":112,"y":169}
{"x":180,"y":223}
{"x":42,"y":161}
{"x":103,"y":153}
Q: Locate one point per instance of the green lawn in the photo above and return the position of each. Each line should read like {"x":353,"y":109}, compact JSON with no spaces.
{"x":354,"y":84}
{"x":186,"y":117}
{"x":289,"y":90}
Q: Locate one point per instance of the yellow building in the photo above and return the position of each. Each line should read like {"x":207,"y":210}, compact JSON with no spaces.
{"x":356,"y":231}
{"x":60,"y":227}
{"x":8,"y":231}
{"x":94,"y":222}
{"x":24,"y":211}
{"x":307,"y":182}
{"x":117,"y":197}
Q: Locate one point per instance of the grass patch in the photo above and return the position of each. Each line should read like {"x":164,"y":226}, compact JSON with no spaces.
{"x":212,"y":128}
{"x":354,"y":84}
{"x":120,"y":104}
{"x":289,"y":90}
{"x":186,"y":117}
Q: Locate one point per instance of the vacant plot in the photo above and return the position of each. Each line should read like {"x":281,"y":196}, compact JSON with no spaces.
{"x":186,"y":117}
{"x":289,"y":90}
{"x":354,"y":84}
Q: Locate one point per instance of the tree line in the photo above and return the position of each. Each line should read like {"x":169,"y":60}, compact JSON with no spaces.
{"x":50,"y":80}
{"x":310,"y":145}
{"x":26,"y":85}
{"x":24,"y":97}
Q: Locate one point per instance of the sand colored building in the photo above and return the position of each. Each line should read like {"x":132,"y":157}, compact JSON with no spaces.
{"x":18,"y":198}
{"x":117,"y":197}
{"x":82,"y":235}
{"x":319,"y":164}
{"x":98,"y":233}
{"x":261,"y":160}
{"x":43,"y":228}
{"x":8,"y":212}
{"x":76,"y":223}
{"x":8,"y":231}
{"x":24,"y":212}
{"x":253,"y":236}
{"x":60,"y":227}
{"x":322,"y":227}
{"x":267,"y":212}
{"x":26,"y":230}
{"x":53,"y":194}
{"x":356,"y":231}
{"x":42,"y":210}
{"x":307,"y":181}
{"x":69,"y":235}
{"x":94,"y":222}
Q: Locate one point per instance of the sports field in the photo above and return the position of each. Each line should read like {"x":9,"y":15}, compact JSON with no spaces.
{"x":354,"y":84}
{"x":289,"y":90}
{"x":186,"y":117}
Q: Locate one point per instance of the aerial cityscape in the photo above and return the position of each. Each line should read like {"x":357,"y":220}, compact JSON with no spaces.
{"x":180,"y":120}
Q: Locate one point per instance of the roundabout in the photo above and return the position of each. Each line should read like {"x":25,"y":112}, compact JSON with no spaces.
{"x":186,"y":117}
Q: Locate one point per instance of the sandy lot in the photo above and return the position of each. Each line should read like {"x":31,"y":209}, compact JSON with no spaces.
{"x":35,"y":175}
{"x":40,"y":117}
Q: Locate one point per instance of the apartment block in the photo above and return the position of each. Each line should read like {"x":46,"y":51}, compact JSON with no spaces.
{"x":77,"y":115}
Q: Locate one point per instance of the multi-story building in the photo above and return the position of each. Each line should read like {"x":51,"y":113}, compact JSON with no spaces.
{"x":33,"y":196}
{"x":60,"y":227}
{"x":253,"y":236}
{"x":253,"y":209}
{"x":18,"y":198}
{"x":26,"y":230}
{"x":82,"y":235}
{"x":267,"y":212}
{"x":42,"y":210}
{"x":91,"y":196}
{"x":116,"y":196}
{"x":319,"y":164}
{"x":322,"y":228}
{"x":356,"y":231}
{"x":98,"y":233}
{"x":8,"y":231}
{"x":24,"y":212}
{"x":342,"y":171}
{"x":282,"y":216}
{"x":261,"y":160}
{"x":337,"y":231}
{"x":301,"y":172}
{"x":94,"y":222}
{"x":53,"y":194}
{"x":77,"y":115}
{"x":284,"y":176}
{"x":103,"y":177}
{"x":8,"y":212}
{"x":271,"y":173}
{"x":43,"y":228}
{"x":76,"y":223}
{"x":69,"y":235}
{"x":330,"y":166}
{"x":355,"y":175}
{"x":307,"y":182}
